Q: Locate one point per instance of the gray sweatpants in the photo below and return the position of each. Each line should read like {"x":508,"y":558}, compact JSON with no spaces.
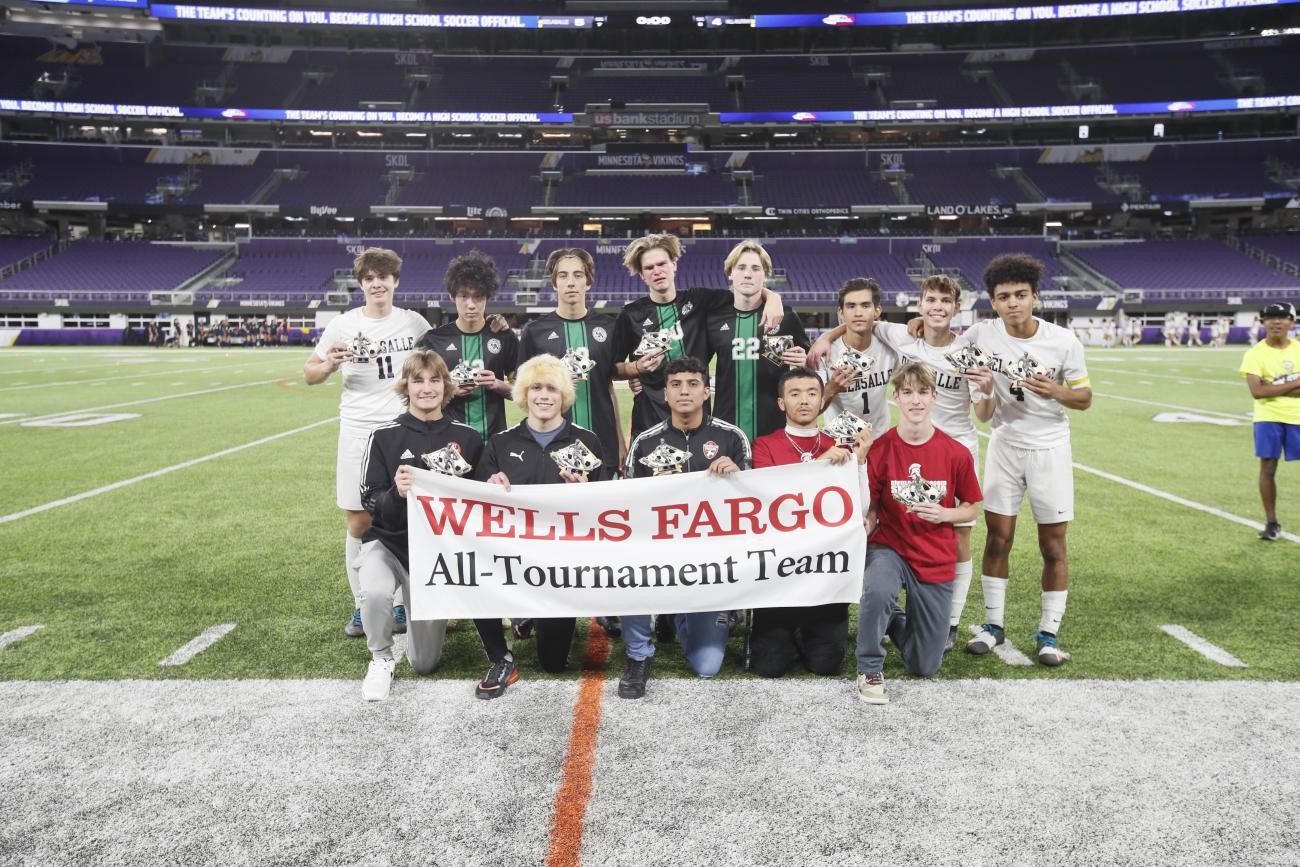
{"x":921,"y":640}
{"x":381,"y":573}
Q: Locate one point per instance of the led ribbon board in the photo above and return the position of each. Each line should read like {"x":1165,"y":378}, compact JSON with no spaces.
{"x":255,"y":15}
{"x":1009,"y":14}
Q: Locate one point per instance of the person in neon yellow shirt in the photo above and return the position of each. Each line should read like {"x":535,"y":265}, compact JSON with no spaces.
{"x":1272,"y":370}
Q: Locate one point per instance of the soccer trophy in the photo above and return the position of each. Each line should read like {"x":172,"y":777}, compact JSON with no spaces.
{"x":447,"y":461}
{"x":576,"y":458}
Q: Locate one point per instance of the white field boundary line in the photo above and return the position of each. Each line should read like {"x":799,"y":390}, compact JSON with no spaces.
{"x":1201,"y":646}
{"x":14,"y":636}
{"x":198,"y":644}
{"x":145,"y":400}
{"x":1127,"y":372}
{"x":132,"y":375}
{"x":1165,"y":495}
{"x":1007,"y":652}
{"x":1109,"y":396}
{"x":84,"y":495}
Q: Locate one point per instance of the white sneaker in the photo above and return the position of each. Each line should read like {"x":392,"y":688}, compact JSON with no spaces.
{"x":871,"y":688}
{"x":379,"y":679}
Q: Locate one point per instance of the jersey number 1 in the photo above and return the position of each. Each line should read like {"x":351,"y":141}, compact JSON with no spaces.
{"x":385,"y":365}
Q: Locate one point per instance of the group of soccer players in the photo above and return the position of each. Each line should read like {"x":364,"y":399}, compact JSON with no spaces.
{"x":435,"y":399}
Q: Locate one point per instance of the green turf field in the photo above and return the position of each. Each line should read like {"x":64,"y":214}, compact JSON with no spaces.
{"x":121,"y":579}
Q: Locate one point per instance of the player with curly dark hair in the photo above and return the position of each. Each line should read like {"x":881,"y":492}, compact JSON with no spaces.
{"x":481,"y":360}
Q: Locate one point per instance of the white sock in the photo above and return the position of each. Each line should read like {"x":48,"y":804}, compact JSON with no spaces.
{"x":351,"y":548}
{"x":960,"y":589}
{"x":1053,"y":610}
{"x":399,"y":598}
{"x":995,"y":599}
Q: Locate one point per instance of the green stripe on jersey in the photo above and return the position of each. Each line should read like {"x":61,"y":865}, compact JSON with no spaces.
{"x":575,"y":336}
{"x":667,"y":319}
{"x":746,"y":370}
{"x":471,"y":349}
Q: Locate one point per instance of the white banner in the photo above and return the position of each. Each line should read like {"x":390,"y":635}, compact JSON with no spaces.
{"x":775,"y":537}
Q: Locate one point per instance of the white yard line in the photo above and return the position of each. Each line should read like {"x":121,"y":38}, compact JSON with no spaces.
{"x":14,"y":636}
{"x":35,"y":510}
{"x":1110,"y":396}
{"x":1184,"y":379}
{"x":1007,"y":652}
{"x":147,"y":400}
{"x":198,"y":644}
{"x":133,"y":375}
{"x":1201,"y":646}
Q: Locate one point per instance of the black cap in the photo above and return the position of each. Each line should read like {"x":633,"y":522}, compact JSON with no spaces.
{"x":1278,"y":308}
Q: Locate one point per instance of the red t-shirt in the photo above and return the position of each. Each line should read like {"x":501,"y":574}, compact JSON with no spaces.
{"x":939,"y":470}
{"x":780,"y":447}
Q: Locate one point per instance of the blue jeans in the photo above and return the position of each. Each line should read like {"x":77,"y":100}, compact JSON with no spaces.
{"x":703,"y":637}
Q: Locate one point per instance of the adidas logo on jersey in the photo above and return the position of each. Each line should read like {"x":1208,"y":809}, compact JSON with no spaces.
{"x":451,"y":347}
{"x":406,"y":454}
{"x":725,"y":327}
{"x":552,"y":336}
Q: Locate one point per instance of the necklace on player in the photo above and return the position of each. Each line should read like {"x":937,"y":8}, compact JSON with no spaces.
{"x":804,"y":456}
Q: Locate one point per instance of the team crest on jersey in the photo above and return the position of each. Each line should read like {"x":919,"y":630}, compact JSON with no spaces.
{"x":775,"y":345}
{"x":857,"y":363}
{"x":598,"y":334}
{"x":845,"y":428}
{"x":710,"y":450}
{"x":687,"y":308}
{"x":915,"y":490}
{"x":493,"y":345}
{"x":665,"y":460}
{"x":363,"y":349}
{"x":658,"y":341}
{"x":967,"y":357}
{"x":463,"y":373}
{"x":447,"y":461}
{"x":578,"y":361}
{"x":576,"y":458}
{"x":1020,"y":370}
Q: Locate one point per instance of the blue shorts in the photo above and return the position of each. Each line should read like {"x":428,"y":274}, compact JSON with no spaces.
{"x":1272,"y":436}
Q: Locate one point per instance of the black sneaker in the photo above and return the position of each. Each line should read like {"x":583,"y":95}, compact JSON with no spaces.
{"x":521,"y":629}
{"x":499,"y":676}
{"x":1272,"y":531}
{"x":665,"y":629}
{"x":635,"y":675}
{"x":952,"y":639}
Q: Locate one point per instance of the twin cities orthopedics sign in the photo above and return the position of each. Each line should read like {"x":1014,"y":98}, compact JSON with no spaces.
{"x":780,"y":536}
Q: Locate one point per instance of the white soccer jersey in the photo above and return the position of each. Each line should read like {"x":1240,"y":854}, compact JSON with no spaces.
{"x":955,"y":392}
{"x":381,"y":347}
{"x":866,"y":398}
{"x":1032,"y":422}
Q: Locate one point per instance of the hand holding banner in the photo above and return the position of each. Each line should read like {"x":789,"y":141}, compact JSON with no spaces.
{"x":775,"y":537}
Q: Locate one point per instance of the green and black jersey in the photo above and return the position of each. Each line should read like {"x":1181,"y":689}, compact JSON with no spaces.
{"x":490,"y":350}
{"x":689,"y":308}
{"x":591,"y":337}
{"x":745,"y":381}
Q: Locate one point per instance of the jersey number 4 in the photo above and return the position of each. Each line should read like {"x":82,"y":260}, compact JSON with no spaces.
{"x":744,"y":348}
{"x":385,"y":365}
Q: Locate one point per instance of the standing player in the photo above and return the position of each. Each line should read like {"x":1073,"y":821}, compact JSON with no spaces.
{"x":676,"y":317}
{"x":922,"y":481}
{"x":525,"y":455}
{"x":817,"y":635}
{"x":860,"y":366}
{"x":688,"y":441}
{"x":471,"y":349}
{"x":584,"y":341}
{"x":747,"y":374}
{"x":1194,"y":331}
{"x":1039,"y":372}
{"x":370,"y":344}
{"x":956,"y":389}
{"x":1272,"y":370}
{"x":420,"y":437}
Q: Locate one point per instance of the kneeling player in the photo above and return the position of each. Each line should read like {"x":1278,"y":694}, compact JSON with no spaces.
{"x":818,"y":634}
{"x":922,"y":482}
{"x":690,"y":440}
{"x":420,"y":437}
{"x":544,"y":390}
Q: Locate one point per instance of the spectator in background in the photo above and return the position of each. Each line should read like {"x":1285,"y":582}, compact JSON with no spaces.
{"x":1272,"y":371}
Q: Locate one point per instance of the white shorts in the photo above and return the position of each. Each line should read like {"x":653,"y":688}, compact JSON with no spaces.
{"x":347,"y":472}
{"x":1046,"y":474}
{"x":971,"y":442}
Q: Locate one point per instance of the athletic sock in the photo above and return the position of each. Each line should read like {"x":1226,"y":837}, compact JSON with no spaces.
{"x":352,"y":548}
{"x":1053,"y":610}
{"x":960,"y":589}
{"x":399,"y":598}
{"x":995,"y":599}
